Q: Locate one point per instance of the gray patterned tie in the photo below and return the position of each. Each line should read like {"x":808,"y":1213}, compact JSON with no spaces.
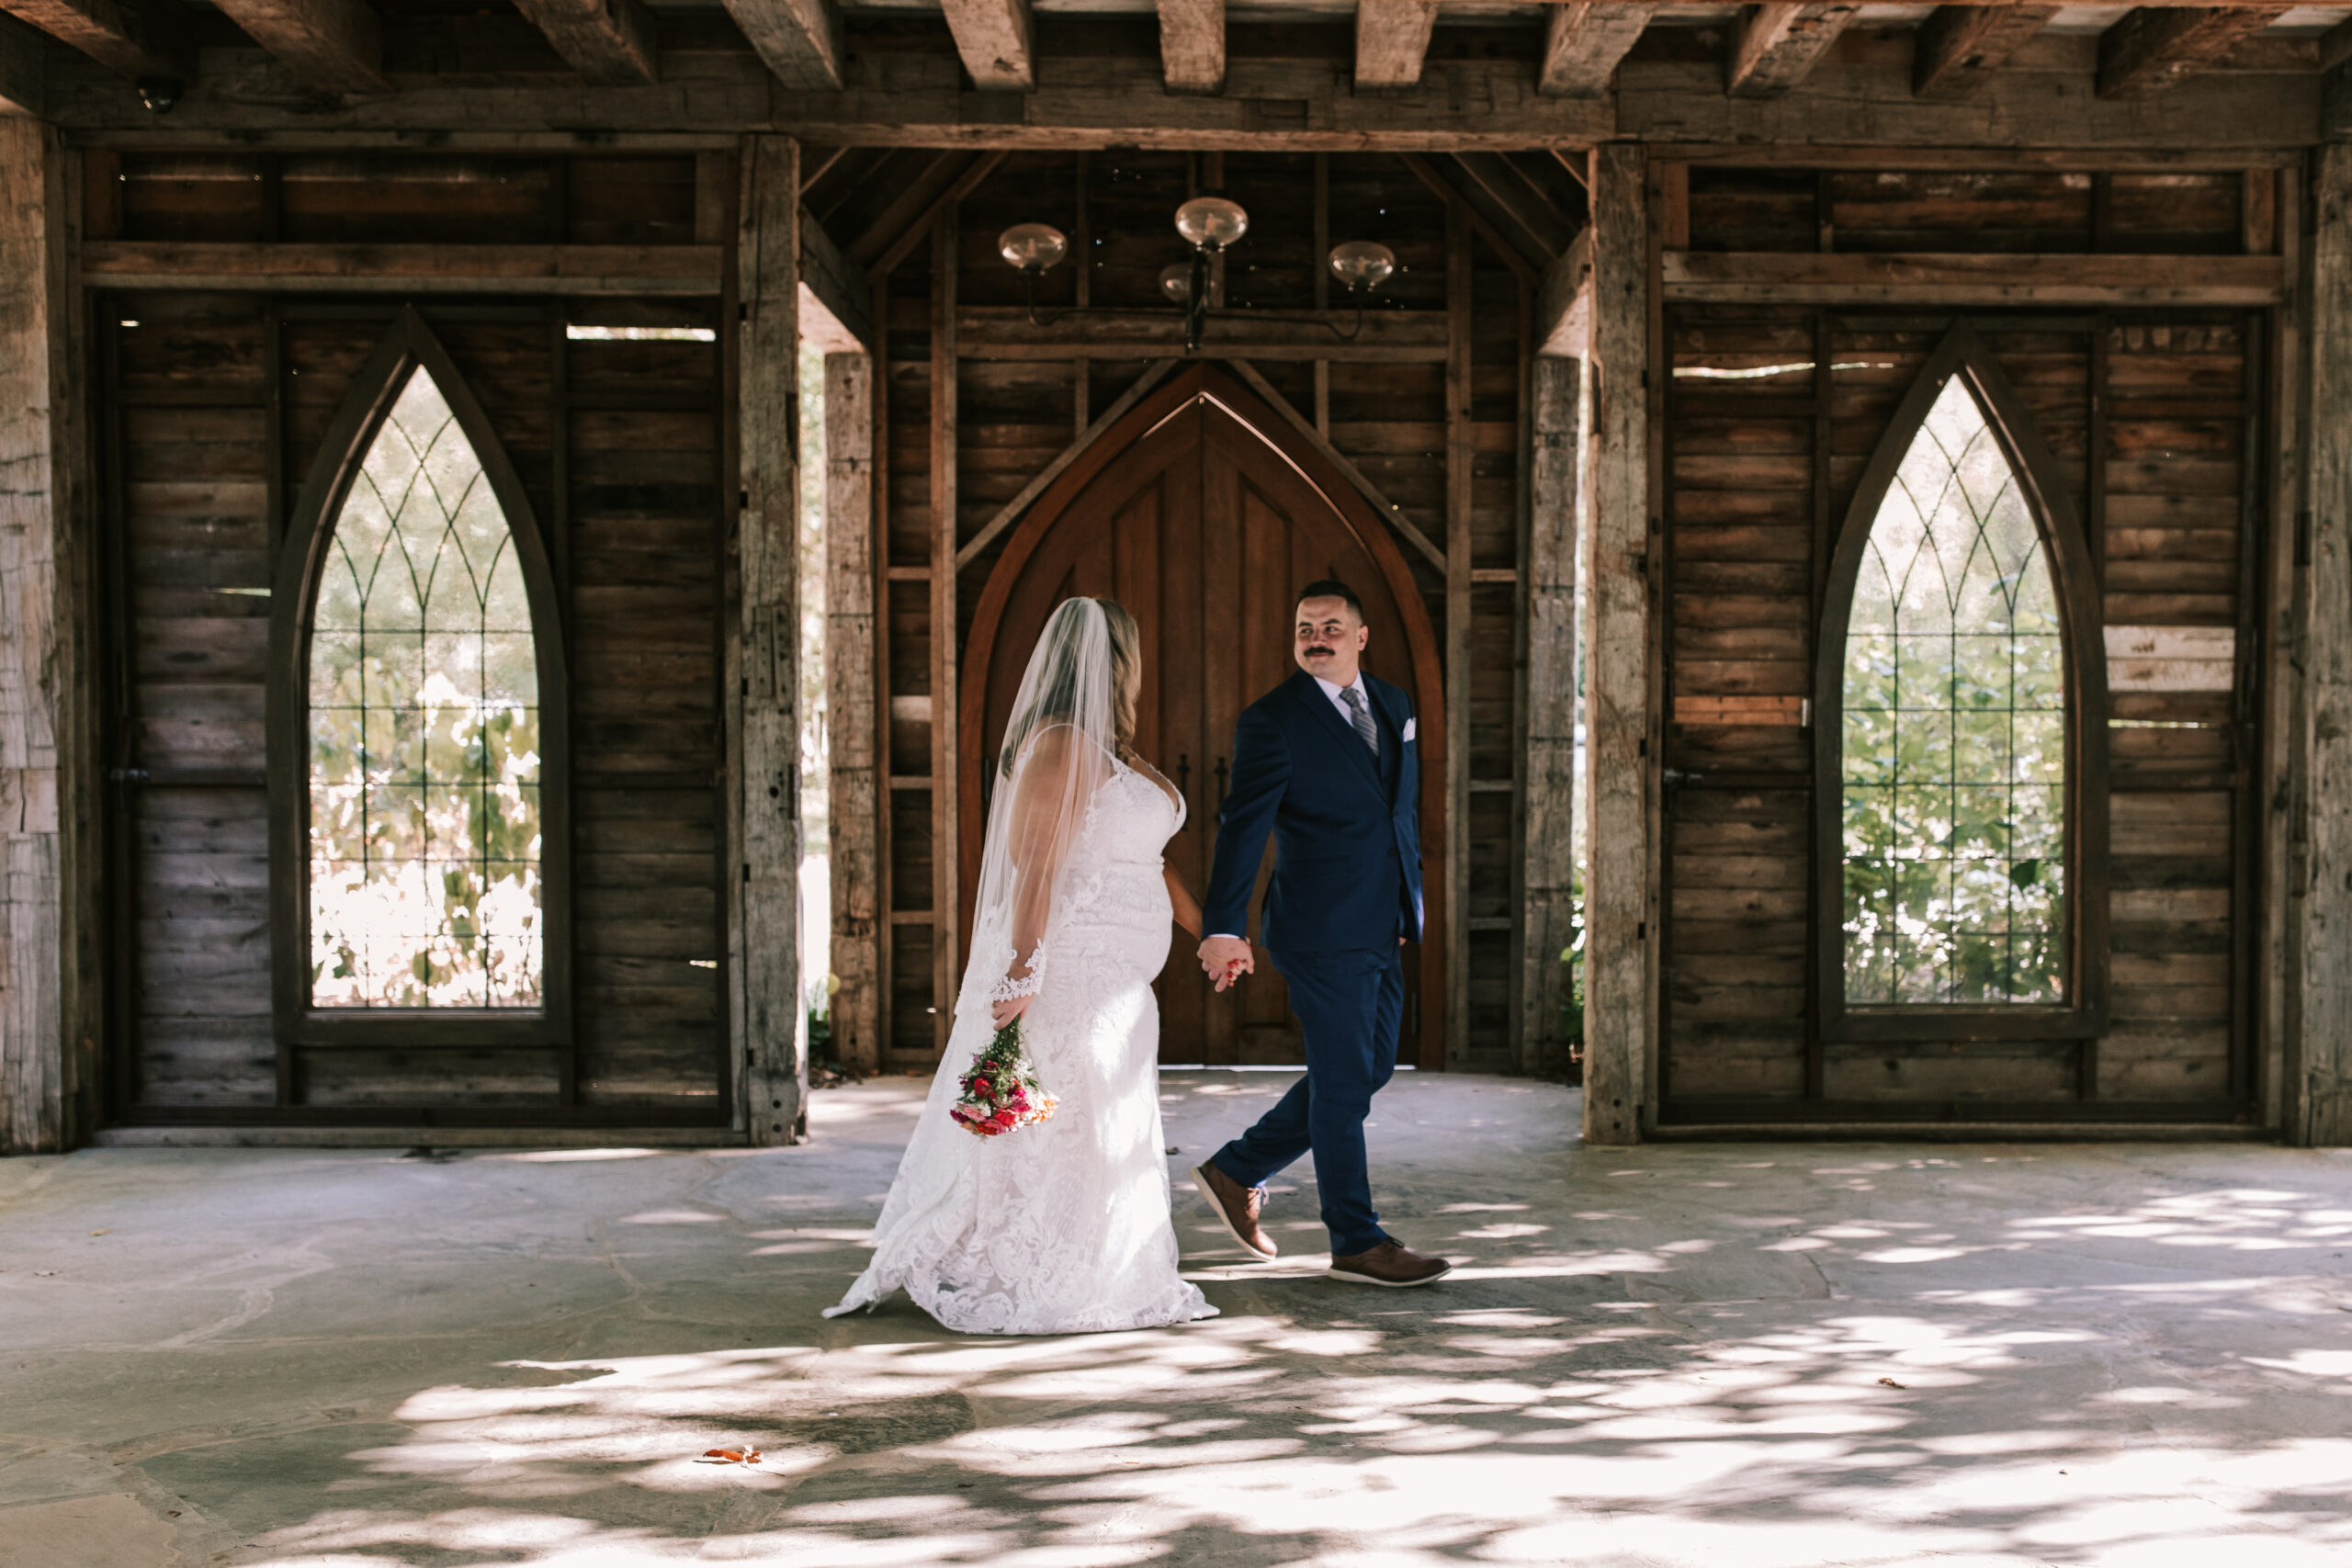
{"x":1361,"y":718}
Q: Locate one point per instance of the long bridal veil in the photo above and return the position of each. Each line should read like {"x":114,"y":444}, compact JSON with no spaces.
{"x":1058,"y":748}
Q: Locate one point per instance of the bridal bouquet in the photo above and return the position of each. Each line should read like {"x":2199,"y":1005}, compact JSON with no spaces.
{"x":999,"y":1092}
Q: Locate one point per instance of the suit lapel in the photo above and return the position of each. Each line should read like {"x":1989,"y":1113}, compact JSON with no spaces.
{"x":1321,"y":708}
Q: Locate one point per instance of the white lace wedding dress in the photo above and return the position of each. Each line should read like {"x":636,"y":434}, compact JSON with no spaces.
{"x":1060,"y":1228}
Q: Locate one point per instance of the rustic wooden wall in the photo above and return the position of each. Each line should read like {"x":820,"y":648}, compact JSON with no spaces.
{"x":1022,"y":393}
{"x":2154,"y":414}
{"x":217,"y":403}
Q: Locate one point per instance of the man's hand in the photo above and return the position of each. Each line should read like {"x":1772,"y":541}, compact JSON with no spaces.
{"x":1225,"y":958}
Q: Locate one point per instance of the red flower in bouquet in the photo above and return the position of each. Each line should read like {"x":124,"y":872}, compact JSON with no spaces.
{"x":999,"y":1092}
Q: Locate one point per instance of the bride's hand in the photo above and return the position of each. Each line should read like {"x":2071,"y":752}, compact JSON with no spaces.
{"x":1005,"y":1011}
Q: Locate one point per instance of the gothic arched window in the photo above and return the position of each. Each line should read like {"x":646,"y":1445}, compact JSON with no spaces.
{"x":1962,"y":705}
{"x":420,"y":736}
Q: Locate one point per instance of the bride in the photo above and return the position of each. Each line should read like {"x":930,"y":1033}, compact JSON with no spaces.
{"x":1059,"y":1226}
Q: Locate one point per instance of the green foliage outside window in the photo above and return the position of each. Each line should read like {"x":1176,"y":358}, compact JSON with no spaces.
{"x":424,"y":765}
{"x":1955,"y":734}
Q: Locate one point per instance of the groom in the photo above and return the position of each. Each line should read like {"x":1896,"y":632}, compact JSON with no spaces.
{"x":1325,"y":762}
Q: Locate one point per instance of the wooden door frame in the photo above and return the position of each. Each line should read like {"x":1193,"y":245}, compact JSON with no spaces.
{"x":1212,"y":382}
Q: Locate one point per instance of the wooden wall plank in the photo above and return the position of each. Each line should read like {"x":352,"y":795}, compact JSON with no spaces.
{"x":1458,"y":518}
{"x":945,"y":906}
{"x":1549,"y":875}
{"x":1619,"y":1045}
{"x":404,"y":270}
{"x":49,"y":695}
{"x":2320,"y":1066}
{"x":850,"y":716}
{"x":768,"y":951}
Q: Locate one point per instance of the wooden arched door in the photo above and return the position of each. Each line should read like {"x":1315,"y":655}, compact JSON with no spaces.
{"x":1203,"y":511}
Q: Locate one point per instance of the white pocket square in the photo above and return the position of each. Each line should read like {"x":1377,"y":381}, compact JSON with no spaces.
{"x":1410,"y":724}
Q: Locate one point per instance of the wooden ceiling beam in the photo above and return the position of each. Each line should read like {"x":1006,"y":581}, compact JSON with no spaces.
{"x":799,"y":40}
{"x":1583,"y":43}
{"x":2151,"y":49}
{"x":21,"y":73}
{"x":1544,"y":224}
{"x":337,"y":46}
{"x":928,"y":201}
{"x":1393,"y":42}
{"x":914,"y":196}
{"x":609,"y":43}
{"x":997,"y":41}
{"x":1957,"y":48}
{"x":1191,"y":45}
{"x":1779,"y":44}
{"x":125,"y":36}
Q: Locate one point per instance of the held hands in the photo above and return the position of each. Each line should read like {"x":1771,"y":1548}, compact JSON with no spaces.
{"x":1226,"y":959}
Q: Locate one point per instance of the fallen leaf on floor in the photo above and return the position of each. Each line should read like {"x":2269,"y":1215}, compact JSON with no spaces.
{"x":730,"y":1456}
{"x":1890,"y":1383}
{"x":109,"y":1231}
{"x":1174,"y":1150}
{"x":44,"y":1273}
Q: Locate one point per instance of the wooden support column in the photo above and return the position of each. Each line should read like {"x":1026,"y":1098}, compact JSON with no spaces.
{"x":850,"y":717}
{"x":49,"y":833}
{"x":945,"y":907}
{"x":1619,"y":1009}
{"x":1458,"y":493}
{"x":2276,"y":954}
{"x":2320,"y":1084}
{"x":1548,"y":865}
{"x":767,"y":956}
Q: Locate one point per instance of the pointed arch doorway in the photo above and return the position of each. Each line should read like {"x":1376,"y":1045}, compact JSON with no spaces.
{"x":1203,"y":510}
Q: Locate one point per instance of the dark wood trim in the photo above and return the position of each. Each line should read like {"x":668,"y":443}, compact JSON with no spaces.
{"x":408,"y":346}
{"x":1962,"y":354}
{"x":1946,"y":279}
{"x":659,"y":270}
{"x":327,"y":1116}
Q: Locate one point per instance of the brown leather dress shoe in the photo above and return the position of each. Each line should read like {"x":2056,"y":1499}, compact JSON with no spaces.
{"x":1389,"y":1264}
{"x":1237,"y":1206}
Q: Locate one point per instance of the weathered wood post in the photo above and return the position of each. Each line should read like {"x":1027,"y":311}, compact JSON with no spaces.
{"x":49,"y":905}
{"x":852,"y":697}
{"x":773,"y":1040}
{"x":1619,"y":1048}
{"x":2320,"y":1083}
{"x":1549,"y":869}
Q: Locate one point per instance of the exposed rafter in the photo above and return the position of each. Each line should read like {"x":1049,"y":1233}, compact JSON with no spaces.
{"x":334,"y":45}
{"x":1583,"y":44}
{"x":1191,"y":45}
{"x":609,"y":43}
{"x":1549,"y":229}
{"x":1392,"y":41}
{"x":799,"y":40}
{"x":21,"y":49}
{"x":998,"y":42}
{"x":126,"y":36}
{"x":1779,"y":44}
{"x":2152,"y":49}
{"x":1957,"y":48}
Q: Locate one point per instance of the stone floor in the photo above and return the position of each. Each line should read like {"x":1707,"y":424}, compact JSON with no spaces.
{"x":1733,"y":1355}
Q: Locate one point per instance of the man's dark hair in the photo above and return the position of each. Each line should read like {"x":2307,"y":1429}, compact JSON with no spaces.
{"x":1330,"y":588}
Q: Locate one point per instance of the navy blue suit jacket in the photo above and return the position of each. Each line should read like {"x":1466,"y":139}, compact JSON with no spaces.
{"x":1347,"y":842}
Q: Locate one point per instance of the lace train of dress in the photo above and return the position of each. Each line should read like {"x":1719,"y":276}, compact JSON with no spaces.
{"x":1061,"y":1227}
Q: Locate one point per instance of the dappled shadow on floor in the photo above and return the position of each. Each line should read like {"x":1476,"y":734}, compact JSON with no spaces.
{"x":2126,"y":1358}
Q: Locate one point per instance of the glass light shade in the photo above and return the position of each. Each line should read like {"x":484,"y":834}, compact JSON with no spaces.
{"x":1362,"y":263}
{"x":1176,"y":281}
{"x":1212,"y":222}
{"x":1033,"y":247}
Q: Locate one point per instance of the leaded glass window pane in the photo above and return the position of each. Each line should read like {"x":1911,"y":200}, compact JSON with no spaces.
{"x":1954,"y":739}
{"x":425,"y":848}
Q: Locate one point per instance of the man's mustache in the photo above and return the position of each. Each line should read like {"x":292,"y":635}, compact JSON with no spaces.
{"x":1325,"y":651}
